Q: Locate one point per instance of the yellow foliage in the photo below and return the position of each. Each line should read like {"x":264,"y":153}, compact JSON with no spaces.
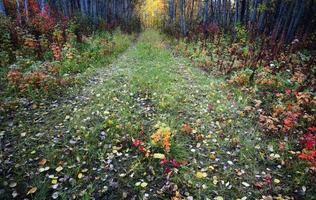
{"x":162,"y":137}
{"x":152,"y":11}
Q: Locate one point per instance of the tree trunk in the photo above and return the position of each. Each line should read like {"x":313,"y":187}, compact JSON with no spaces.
{"x":205,"y":15}
{"x":237,"y":13}
{"x":253,"y":15}
{"x":243,"y":11}
{"x":295,"y":20}
{"x":182,"y":17}
{"x":42,"y":5}
{"x":2,"y":8}
{"x":229,"y":13}
{"x":200,"y":11}
{"x":280,"y":19}
{"x":219,"y":11}
{"x":192,"y":13}
{"x":26,"y":10}
{"x":225,"y":13}
{"x":18,"y":14}
{"x":262,"y":17}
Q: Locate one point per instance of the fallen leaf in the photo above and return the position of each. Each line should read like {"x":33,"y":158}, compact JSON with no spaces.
{"x":144,"y":184}
{"x":80,"y":175}
{"x":55,"y":195}
{"x":245,"y":184}
{"x":187,"y":129}
{"x":258,"y":103}
{"x":59,"y":168}
{"x":84,"y":170}
{"x":219,"y":198}
{"x":32,"y":190}
{"x":12,"y":185}
{"x":201,"y":175}
{"x":230,"y":162}
{"x":212,"y":156}
{"x":42,"y":162}
{"x":211,"y":168}
{"x":14,"y":194}
{"x":159,"y":156}
{"x":259,"y":185}
{"x":276,"y":181}
{"x":42,"y":169}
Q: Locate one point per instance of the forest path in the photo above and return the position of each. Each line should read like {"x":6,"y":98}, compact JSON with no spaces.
{"x":83,"y":146}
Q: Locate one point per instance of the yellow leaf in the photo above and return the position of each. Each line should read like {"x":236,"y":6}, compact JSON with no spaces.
{"x":212,"y":156}
{"x":215,"y":180}
{"x":84,"y":170}
{"x":276,"y":181}
{"x":219,"y":198}
{"x":54,"y":181}
{"x":201,"y":175}
{"x":144,"y":184}
{"x":159,"y":156}
{"x":211,"y":168}
{"x":80,"y":175}
{"x":32,"y":190}
{"x":59,"y":168}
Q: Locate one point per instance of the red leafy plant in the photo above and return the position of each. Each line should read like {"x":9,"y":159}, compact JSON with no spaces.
{"x":141,"y":147}
{"x":309,"y":151}
{"x":37,"y":80}
{"x":56,"y":52}
{"x":169,"y":165}
{"x":41,"y":21}
{"x":290,"y":120}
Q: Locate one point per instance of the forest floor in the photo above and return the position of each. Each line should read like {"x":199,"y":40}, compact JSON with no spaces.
{"x":99,"y":142}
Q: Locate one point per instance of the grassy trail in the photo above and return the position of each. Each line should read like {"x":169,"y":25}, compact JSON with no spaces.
{"x":83,"y":147}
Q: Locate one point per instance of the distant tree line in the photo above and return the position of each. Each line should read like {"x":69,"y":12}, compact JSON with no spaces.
{"x":110,"y":11}
{"x":281,"y":19}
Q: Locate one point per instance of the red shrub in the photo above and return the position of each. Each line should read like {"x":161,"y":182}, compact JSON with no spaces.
{"x":290,"y":120}
{"x":41,"y":21}
{"x":213,"y":28}
{"x":309,"y":151}
{"x":309,"y":141}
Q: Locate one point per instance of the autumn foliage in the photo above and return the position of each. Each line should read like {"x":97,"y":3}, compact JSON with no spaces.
{"x":308,"y":141}
{"x":162,"y":138}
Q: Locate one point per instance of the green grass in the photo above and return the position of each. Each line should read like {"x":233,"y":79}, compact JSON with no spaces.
{"x":99,"y":50}
{"x":93,"y":134}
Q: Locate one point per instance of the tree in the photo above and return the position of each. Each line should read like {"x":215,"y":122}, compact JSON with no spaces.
{"x":2,"y":8}
{"x":182,"y":17}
